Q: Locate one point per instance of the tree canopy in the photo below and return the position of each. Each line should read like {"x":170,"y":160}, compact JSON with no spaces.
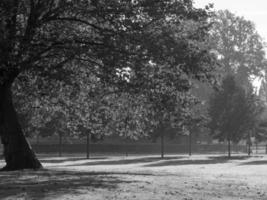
{"x":234,"y":111}
{"x":239,"y":46}
{"x":149,"y":49}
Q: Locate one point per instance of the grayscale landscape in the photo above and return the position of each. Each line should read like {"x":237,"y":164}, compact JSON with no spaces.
{"x":133,"y":99}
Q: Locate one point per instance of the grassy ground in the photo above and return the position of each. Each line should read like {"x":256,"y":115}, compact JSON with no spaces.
{"x":140,"y":177}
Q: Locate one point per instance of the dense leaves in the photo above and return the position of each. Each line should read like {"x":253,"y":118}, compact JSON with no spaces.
{"x":234,"y":111}
{"x":90,"y":59}
{"x":238,"y":45}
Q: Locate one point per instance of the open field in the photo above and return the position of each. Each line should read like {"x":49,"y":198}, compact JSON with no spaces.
{"x":140,"y":177}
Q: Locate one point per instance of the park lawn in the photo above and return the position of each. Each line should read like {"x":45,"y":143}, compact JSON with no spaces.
{"x":140,"y":177}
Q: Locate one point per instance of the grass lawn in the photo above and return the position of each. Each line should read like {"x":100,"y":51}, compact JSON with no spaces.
{"x":140,"y":177}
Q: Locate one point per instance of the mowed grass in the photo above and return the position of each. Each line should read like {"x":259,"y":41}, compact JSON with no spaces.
{"x":140,"y":177}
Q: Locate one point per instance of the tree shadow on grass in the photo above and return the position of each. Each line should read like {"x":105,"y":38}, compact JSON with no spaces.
{"x":235,"y":157}
{"x":208,"y":161}
{"x":43,"y":183}
{"x":256,"y":162}
{"x":184,"y":162}
{"x":68,"y":159}
{"x":124,"y":161}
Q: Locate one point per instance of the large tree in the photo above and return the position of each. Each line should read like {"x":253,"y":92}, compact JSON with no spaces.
{"x":54,"y":38}
{"x":238,"y":45}
{"x":233,"y":112}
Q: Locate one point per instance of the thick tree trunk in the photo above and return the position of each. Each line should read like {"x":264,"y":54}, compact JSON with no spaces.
{"x":17,"y":151}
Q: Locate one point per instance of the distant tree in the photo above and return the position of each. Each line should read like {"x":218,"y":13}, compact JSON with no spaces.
{"x":261,"y":131}
{"x":170,"y":112}
{"x":194,"y":122}
{"x":233,"y":112}
{"x":239,"y":47}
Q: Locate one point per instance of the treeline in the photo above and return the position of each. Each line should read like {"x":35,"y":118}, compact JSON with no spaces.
{"x":117,"y":67}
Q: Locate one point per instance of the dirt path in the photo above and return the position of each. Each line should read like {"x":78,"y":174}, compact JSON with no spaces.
{"x":141,"y":178}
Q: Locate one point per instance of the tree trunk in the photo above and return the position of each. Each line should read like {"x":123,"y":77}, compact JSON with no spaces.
{"x":249,"y":144}
{"x":88,"y":135}
{"x":162,"y":143}
{"x":17,"y":151}
{"x":190,"y":143}
{"x":60,"y":144}
{"x":126,"y":148}
{"x":229,"y":148}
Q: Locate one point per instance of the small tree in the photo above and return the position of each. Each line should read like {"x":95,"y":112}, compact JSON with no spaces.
{"x":233,"y":112}
{"x":194,"y":122}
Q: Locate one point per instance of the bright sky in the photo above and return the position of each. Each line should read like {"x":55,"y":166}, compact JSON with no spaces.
{"x":255,"y":11}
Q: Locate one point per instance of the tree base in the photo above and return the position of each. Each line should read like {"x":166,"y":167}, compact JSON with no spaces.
{"x":18,"y":154}
{"x":7,"y":168}
{"x":19,"y":161}
{"x":35,"y":166}
{"x":21,"y":167}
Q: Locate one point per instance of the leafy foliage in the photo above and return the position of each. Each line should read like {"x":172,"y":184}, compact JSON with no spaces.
{"x":238,"y":45}
{"x":105,"y":66}
{"x":233,"y":111}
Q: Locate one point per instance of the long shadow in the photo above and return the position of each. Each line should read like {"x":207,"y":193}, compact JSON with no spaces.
{"x":124,"y":161}
{"x":236,"y":157}
{"x":39,"y":184}
{"x":187,"y":162}
{"x":68,"y":159}
{"x":256,"y":162}
{"x":210,"y":160}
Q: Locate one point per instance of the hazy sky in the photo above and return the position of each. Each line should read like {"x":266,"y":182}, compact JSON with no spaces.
{"x":253,"y":10}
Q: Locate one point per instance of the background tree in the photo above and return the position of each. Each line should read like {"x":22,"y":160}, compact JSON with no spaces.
{"x":239,"y":47}
{"x":262,"y":125}
{"x":240,"y":50}
{"x":233,"y":112}
{"x":196,"y":120}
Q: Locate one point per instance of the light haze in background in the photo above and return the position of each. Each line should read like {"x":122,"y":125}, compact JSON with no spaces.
{"x":252,"y":10}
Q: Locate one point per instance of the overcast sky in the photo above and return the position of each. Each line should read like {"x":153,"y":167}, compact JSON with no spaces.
{"x":253,"y":10}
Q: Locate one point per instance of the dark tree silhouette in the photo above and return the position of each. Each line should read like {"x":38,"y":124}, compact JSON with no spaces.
{"x":233,"y":112}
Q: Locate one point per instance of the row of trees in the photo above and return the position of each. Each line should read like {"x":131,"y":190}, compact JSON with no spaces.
{"x":86,"y":59}
{"x":235,"y":110}
{"x":235,"y":114}
{"x":112,"y":67}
